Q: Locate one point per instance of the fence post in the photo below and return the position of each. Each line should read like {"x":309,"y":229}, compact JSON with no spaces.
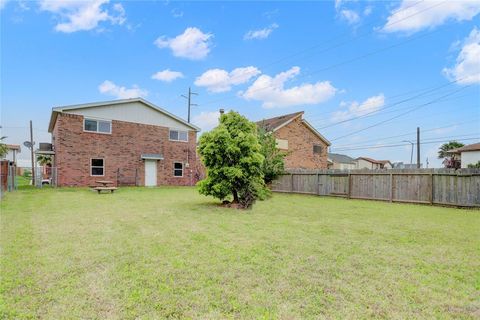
{"x":349,"y":195}
{"x":431,"y":189}
{"x":291,"y":187}
{"x":391,"y":187}
{"x":318,"y":184}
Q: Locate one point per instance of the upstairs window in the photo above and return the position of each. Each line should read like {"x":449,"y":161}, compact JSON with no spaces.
{"x":97,"y":167}
{"x":99,"y":126}
{"x":282,"y":144}
{"x":177,"y":135}
{"x":317,"y":149}
{"x":178,"y":169}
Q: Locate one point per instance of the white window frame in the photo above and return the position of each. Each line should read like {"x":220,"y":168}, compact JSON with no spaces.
{"x":281,"y":144}
{"x":183,"y":168}
{"x":178,"y":140}
{"x":97,"y":120}
{"x":97,"y":175}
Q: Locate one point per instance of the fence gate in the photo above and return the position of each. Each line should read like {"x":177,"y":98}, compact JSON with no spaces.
{"x":127,"y":177}
{"x":45,"y":176}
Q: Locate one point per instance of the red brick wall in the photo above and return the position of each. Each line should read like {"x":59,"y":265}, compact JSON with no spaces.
{"x":121,"y":149}
{"x":300,"y":146}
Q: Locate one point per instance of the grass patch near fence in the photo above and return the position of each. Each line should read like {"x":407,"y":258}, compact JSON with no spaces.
{"x":171,"y":253}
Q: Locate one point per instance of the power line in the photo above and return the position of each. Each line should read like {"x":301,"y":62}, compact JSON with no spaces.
{"x":381,"y":111}
{"x":350,"y":60}
{"x":426,"y":140}
{"x":402,"y":144}
{"x":336,"y":64}
{"x":401,"y":114}
{"x":377,"y":112}
{"x":405,"y":134}
{"x":348,"y":33}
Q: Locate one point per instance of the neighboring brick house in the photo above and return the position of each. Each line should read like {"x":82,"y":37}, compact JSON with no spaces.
{"x":127,"y":141}
{"x":306,"y":147}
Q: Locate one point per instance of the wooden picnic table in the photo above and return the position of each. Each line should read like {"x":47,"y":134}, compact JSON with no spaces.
{"x":107,"y":189}
{"x":104,"y":183}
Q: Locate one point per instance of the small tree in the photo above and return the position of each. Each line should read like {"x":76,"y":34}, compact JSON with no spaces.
{"x":273,"y":165}
{"x":232,"y":155}
{"x":474,"y":165}
{"x":44,"y":160}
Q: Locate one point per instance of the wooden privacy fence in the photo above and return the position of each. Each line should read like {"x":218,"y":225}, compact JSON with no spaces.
{"x":430,"y":186}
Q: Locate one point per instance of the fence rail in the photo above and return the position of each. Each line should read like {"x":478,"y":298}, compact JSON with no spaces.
{"x":430,"y":186}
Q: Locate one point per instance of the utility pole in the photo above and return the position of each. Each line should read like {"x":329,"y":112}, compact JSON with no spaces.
{"x":418,"y":147}
{"x":189,"y":99}
{"x":411,"y":153}
{"x":32,"y":153}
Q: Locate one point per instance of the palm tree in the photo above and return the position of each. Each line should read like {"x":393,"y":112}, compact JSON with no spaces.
{"x":44,"y":159}
{"x":3,"y":148}
{"x":443,"y":151}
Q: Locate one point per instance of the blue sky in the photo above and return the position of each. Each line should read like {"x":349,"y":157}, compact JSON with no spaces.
{"x":389,"y":66}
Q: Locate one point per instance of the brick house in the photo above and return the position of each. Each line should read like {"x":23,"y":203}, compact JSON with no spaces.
{"x":306,"y":147}
{"x":128,"y":141}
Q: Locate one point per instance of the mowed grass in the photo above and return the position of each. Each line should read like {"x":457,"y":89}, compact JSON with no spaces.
{"x":171,"y":253}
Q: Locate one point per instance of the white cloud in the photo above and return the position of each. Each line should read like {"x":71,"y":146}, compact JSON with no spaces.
{"x":77,"y":15}
{"x":176,"y":13}
{"x":191,"y":44}
{"x":206,"y":120}
{"x":110,"y":88}
{"x":261,"y":33}
{"x":467,"y":68}
{"x":356,"y":109}
{"x":272,"y":93}
{"x":167,"y":75}
{"x":350,"y":15}
{"x":412,"y":16}
{"x":367,"y":11}
{"x":3,"y":3}
{"x":219,"y":80}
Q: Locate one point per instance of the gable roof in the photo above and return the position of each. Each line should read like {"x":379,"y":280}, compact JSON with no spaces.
{"x":468,"y":147}
{"x":15,"y":147}
{"x":57,"y":110}
{"x":375,"y":161}
{"x":273,"y":124}
{"x":341,"y":158}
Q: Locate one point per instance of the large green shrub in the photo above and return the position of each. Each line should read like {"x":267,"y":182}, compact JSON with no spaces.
{"x":232,"y":155}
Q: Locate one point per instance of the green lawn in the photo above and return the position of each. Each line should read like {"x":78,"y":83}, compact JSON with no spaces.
{"x":171,"y":253}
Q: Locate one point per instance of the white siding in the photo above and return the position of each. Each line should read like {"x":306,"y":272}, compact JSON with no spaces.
{"x":282,"y":144}
{"x":135,"y":112}
{"x":345,"y":166}
{"x":363,"y":164}
{"x":470,"y":157}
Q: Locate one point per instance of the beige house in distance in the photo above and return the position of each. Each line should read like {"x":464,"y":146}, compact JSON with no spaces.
{"x":369,"y":163}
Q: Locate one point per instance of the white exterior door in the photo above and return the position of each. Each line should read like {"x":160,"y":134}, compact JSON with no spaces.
{"x":150,"y":173}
